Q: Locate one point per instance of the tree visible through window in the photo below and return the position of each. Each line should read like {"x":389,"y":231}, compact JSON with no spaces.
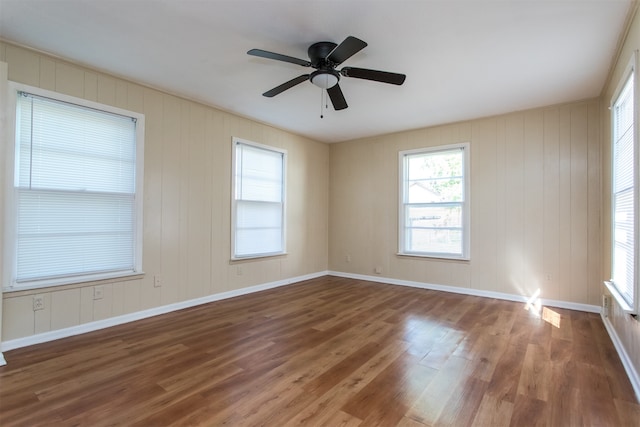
{"x":433,"y":209}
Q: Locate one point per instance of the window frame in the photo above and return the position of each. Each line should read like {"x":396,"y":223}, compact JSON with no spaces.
{"x":234,"y":202}
{"x":465,"y":204}
{"x":11,"y":207}
{"x":630,"y":75}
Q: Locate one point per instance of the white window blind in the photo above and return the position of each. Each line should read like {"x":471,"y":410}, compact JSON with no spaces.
{"x":259,"y":201}
{"x":433,"y":208}
{"x":624,"y":194}
{"x":75,"y":190}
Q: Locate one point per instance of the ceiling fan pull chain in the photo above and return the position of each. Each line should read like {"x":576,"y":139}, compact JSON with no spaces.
{"x":321,"y":102}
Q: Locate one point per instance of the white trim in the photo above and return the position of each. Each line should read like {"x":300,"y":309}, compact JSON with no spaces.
{"x":131,"y":317}
{"x":468,"y":291}
{"x":625,"y":358}
{"x":2,"y":360}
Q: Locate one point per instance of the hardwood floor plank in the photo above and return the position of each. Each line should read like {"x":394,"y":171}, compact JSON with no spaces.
{"x":334,"y":398}
{"x":536,"y":371}
{"x":385,"y":400}
{"x":564,"y":395}
{"x":431,"y":403}
{"x":530,"y":412}
{"x":504,"y":383}
{"x":463,"y":404}
{"x":628,"y":412}
{"x":493,"y":412}
{"x":328,"y":352}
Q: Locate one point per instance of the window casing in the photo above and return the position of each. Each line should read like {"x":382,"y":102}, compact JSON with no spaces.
{"x":74,"y":211}
{"x":434,"y":202}
{"x":624,"y":254}
{"x":258,"y":205}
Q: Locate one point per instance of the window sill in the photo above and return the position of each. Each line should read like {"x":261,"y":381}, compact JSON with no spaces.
{"x":621,"y":301}
{"x":257,"y":257}
{"x":434,"y":257}
{"x":69,"y":283}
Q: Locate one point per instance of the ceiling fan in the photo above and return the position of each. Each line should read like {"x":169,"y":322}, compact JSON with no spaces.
{"x":325,"y":57}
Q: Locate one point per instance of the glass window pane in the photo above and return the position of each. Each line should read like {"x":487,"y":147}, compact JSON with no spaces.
{"x":434,"y":216}
{"x":434,"y":241}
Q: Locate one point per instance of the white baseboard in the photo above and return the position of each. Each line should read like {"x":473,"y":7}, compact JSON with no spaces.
{"x":468,"y":291}
{"x":118,"y":320}
{"x":633,"y":375}
{"x":2,"y":360}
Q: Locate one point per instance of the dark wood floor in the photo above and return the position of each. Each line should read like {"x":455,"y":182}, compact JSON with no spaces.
{"x":329,"y":351}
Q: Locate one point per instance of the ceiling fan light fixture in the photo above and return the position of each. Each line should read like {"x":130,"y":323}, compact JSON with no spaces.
{"x":324,"y":79}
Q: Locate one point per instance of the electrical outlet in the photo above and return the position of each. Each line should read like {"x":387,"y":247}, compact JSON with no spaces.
{"x":98,"y":292}
{"x":347,"y":258}
{"x":378,"y":270}
{"x":157,"y":281}
{"x":38,"y":302}
{"x":239,"y":270}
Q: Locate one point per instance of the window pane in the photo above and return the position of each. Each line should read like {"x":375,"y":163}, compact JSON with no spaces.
{"x":258,"y":215}
{"x":259,"y":174}
{"x":434,"y":216}
{"x":258,"y":242}
{"x":435,"y":190}
{"x":64,"y":146}
{"x":435,"y":177}
{"x":434,"y":241}
{"x":623,"y":261}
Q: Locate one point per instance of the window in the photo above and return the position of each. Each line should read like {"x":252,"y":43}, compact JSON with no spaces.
{"x":624,"y":198}
{"x":259,"y":200}
{"x":434,"y":210}
{"x":76,"y":201}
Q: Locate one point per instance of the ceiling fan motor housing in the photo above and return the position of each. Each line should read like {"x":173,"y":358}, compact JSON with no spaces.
{"x":318,"y":53}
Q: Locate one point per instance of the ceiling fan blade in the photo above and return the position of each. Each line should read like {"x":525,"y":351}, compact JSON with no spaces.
{"x":375,"y":75}
{"x":337,"y":98}
{"x":287,"y":85}
{"x":345,"y":50}
{"x":278,"y":57}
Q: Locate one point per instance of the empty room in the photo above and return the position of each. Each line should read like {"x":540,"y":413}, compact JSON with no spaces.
{"x":319,"y":212}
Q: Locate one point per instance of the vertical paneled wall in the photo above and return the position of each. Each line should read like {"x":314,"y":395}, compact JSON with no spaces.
{"x":187,"y":196}
{"x":535,"y":205}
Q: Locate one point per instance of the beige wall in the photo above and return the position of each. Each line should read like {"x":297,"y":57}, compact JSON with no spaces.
{"x":186,"y":202}
{"x":627,"y":327}
{"x":535,"y":205}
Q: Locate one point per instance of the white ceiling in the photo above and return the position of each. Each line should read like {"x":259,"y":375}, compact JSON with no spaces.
{"x":463,"y":58}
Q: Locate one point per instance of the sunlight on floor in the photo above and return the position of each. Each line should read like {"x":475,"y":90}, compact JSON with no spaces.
{"x":551,"y":317}
{"x":534,"y":305}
